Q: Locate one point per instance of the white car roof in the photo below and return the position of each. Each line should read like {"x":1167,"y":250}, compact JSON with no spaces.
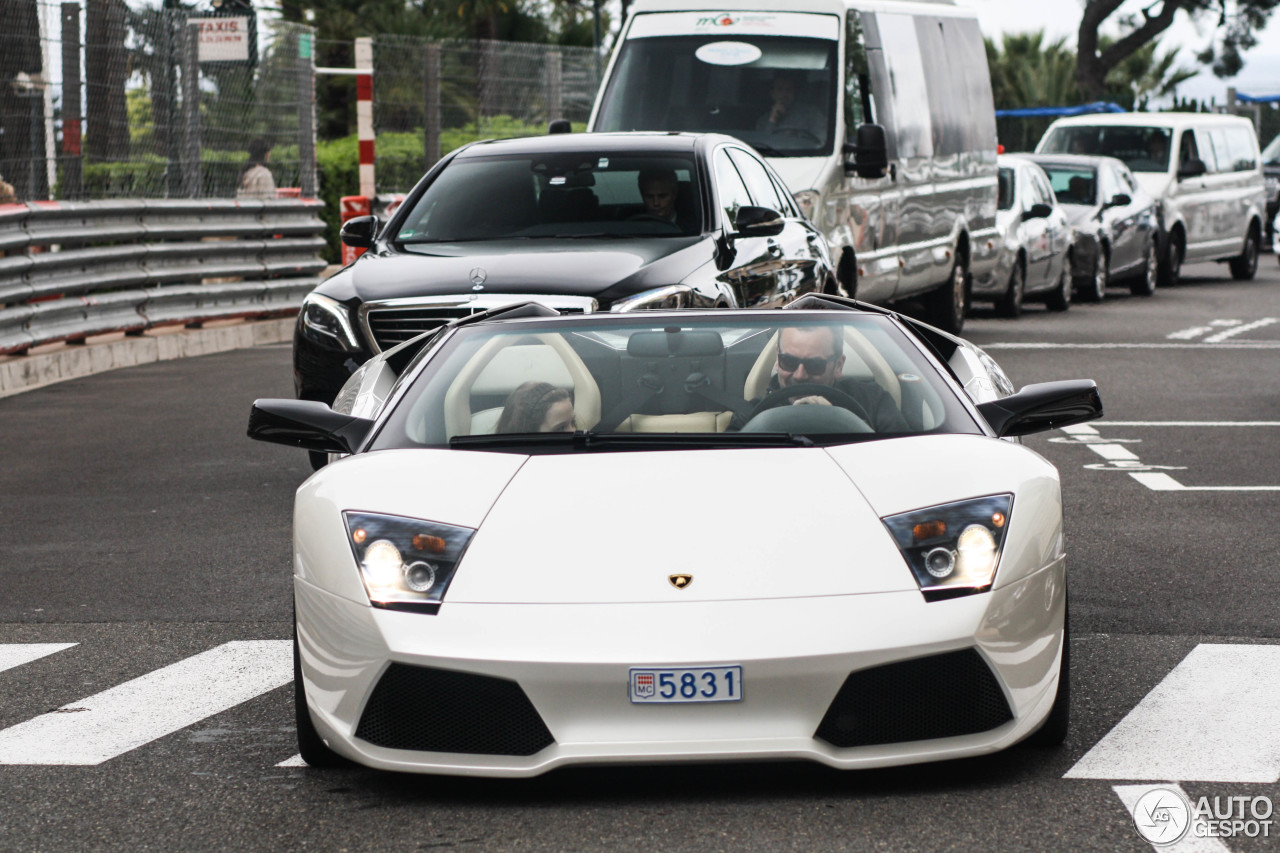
{"x":1175,"y":121}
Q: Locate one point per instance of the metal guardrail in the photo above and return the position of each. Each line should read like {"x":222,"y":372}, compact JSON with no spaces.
{"x":69,"y":270}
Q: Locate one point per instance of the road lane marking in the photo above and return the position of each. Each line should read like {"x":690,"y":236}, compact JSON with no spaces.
{"x":16,"y":654}
{"x":1120,"y":458}
{"x":1194,"y":841}
{"x":1214,"y":718}
{"x":1046,"y":345}
{"x":111,"y":723}
{"x":1188,"y":334}
{"x":295,"y":761}
{"x":1235,"y":330}
{"x":1187,"y":424}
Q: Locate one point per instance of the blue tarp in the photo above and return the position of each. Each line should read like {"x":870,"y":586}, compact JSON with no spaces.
{"x":1257,"y":99}
{"x":1082,"y":109}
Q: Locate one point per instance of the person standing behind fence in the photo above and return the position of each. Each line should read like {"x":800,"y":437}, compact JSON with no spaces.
{"x":256,"y":181}
{"x":7,"y":195}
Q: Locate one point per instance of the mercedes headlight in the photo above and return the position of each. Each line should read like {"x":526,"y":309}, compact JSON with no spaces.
{"x":953,"y":549}
{"x":327,"y":322}
{"x":671,"y":296}
{"x":405,"y":563}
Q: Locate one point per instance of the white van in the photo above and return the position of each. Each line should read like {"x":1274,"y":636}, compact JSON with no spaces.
{"x":877,"y":113}
{"x":1203,"y":168}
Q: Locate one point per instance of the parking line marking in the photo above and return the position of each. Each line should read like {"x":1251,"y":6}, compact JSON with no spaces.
{"x":1193,"y":841}
{"x":1186,"y":424}
{"x":1235,"y":330}
{"x":1214,"y":718}
{"x":1157,"y":481}
{"x":111,"y":723}
{"x":1188,"y":334}
{"x":295,"y":761}
{"x":1113,"y":452}
{"x":16,"y":654}
{"x":1045,"y":345}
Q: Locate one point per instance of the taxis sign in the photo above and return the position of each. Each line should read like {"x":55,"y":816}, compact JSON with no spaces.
{"x":227,"y":39}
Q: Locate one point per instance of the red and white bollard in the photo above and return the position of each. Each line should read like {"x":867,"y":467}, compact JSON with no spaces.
{"x":364,"y":114}
{"x":353,"y":206}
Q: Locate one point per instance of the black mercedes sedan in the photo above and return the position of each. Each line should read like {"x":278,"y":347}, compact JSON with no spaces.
{"x":1115,"y":222}
{"x":579,"y":222}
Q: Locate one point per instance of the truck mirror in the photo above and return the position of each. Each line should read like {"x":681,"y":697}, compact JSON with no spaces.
{"x":870,"y":151}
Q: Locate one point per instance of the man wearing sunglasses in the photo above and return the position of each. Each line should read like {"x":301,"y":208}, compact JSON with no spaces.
{"x":815,"y":355}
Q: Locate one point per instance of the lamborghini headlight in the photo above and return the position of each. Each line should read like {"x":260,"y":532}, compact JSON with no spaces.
{"x":405,"y":563}
{"x":953,"y":549}
{"x":327,"y":322}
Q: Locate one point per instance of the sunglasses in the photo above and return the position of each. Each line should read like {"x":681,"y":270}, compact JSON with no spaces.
{"x":791,"y":363}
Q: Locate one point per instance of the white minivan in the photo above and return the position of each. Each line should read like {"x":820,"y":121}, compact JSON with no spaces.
{"x":877,"y":113}
{"x":1204,"y":170}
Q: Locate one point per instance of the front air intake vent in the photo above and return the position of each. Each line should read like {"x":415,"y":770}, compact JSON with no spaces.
{"x":932,"y":697}
{"x":440,"y":710}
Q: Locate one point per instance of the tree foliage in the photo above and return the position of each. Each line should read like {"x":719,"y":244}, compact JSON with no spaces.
{"x":1237,"y":23}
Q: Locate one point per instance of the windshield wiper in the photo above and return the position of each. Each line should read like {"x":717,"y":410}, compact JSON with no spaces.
{"x":543,"y":442}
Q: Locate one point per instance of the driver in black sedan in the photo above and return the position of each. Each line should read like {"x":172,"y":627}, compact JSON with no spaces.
{"x":814,"y":355}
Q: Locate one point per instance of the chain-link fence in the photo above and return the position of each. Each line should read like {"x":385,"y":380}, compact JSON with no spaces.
{"x":110,"y":100}
{"x":432,"y":96}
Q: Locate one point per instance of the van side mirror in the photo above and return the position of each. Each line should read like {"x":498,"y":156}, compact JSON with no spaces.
{"x":1120,"y":200}
{"x":1040,"y":210}
{"x":1192,"y":168}
{"x":559,"y":125}
{"x":360,"y":232}
{"x":870,"y":150}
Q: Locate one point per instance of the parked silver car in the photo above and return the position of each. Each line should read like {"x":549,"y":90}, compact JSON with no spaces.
{"x":1115,"y":221}
{"x":1035,"y":242}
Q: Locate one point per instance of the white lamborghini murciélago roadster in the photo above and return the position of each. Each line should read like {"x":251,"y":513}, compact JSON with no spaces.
{"x":663,"y":536}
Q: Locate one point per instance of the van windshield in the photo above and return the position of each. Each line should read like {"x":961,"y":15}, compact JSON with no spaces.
{"x":1143,"y":149}
{"x":775,"y":93}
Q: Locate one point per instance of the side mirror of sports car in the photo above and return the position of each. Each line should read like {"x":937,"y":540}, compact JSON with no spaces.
{"x":1043,"y":406}
{"x":306,"y":424}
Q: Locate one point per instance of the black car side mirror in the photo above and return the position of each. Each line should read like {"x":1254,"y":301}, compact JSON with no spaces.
{"x":1043,"y":406}
{"x":306,"y":424}
{"x":360,"y":232}
{"x":1192,"y":168}
{"x":870,"y":150}
{"x":754,"y":221}
{"x":559,"y":125}
{"x":1037,"y":211}
{"x":1120,"y":200}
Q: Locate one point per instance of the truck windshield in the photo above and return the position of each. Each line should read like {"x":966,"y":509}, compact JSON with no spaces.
{"x":775,"y":93}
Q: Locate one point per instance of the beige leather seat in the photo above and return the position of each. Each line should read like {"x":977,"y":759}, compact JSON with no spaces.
{"x":502,"y":365}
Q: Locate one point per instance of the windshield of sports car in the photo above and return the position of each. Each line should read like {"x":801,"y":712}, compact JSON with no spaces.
{"x":621,"y":382}
{"x":1143,"y":149}
{"x":562,"y":195}
{"x":775,"y":92}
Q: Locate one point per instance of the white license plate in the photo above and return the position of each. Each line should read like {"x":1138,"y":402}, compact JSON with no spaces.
{"x":686,"y":684}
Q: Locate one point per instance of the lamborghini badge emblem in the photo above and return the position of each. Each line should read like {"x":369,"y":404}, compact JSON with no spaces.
{"x":680,"y":581}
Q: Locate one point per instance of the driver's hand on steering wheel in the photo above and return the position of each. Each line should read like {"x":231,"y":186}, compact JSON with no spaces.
{"x":814,"y":400}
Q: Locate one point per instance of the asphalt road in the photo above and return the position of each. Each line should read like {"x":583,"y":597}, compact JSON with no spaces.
{"x":141,"y":529}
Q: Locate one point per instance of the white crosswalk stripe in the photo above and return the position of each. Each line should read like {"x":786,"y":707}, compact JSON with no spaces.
{"x":111,"y":723}
{"x":1214,"y":718}
{"x":16,"y":654}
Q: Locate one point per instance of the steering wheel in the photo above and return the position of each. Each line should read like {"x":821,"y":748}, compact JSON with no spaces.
{"x":784,"y":396}
{"x":653,"y":217}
